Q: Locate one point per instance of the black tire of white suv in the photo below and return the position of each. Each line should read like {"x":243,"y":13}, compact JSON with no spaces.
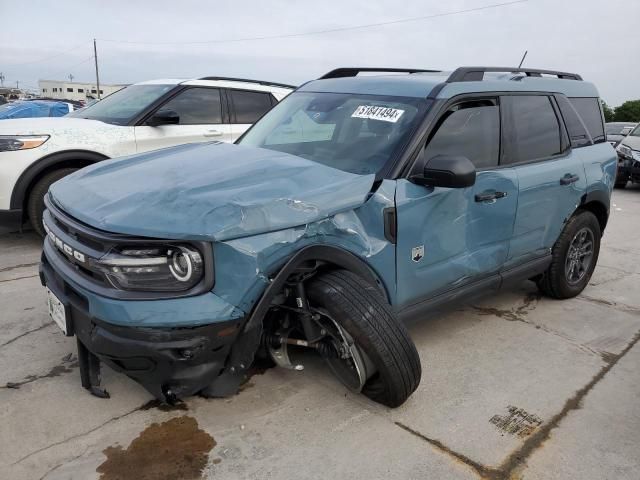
{"x":35,"y":204}
{"x":574,"y":257}
{"x":362,"y":311}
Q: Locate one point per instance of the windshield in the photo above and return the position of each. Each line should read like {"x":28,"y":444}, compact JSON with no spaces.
{"x":121,"y":107}
{"x":351,"y":132}
{"x":635,"y":132}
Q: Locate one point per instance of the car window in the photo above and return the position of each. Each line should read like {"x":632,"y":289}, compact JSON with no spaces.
{"x":575,"y":126}
{"x":589,"y":111}
{"x":535,"y":131}
{"x":472,"y":130}
{"x":123,"y":106}
{"x":196,"y":106}
{"x":250,"y":106}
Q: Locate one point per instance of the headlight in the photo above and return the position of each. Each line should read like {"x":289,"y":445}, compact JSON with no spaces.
{"x":171,"y":268}
{"x":10,"y":143}
{"x":625,"y":151}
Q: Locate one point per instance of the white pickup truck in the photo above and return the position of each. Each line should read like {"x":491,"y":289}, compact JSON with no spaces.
{"x":36,"y":152}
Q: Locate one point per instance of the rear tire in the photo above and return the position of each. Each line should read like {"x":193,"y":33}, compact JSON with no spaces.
{"x":364,"y":313}
{"x":568,"y":274}
{"x":35,"y":205}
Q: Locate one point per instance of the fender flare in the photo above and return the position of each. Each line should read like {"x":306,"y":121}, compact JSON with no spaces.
{"x":33,"y":171}
{"x":600,"y":198}
{"x":334,"y":255}
{"x":248,"y":341}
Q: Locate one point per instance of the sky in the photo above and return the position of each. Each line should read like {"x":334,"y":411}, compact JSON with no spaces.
{"x":142,"y":40}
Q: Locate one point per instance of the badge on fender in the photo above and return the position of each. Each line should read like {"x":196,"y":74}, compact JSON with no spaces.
{"x":417,"y":253}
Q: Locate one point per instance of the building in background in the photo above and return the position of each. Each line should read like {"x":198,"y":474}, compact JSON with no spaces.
{"x":74,"y":90}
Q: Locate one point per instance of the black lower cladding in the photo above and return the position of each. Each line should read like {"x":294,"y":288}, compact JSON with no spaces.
{"x":629,"y":170}
{"x":169,"y":362}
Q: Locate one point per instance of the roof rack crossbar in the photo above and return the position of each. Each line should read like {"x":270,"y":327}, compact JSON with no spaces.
{"x":248,"y":80}
{"x":353,"y":71}
{"x":470,"y":74}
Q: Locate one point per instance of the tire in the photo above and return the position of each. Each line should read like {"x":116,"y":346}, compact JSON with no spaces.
{"x":620,"y":184}
{"x":35,"y":204}
{"x":555,"y":282}
{"x":364,"y":313}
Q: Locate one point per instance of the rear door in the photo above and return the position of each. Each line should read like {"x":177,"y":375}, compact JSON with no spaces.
{"x":201,"y":119}
{"x":450,"y":237}
{"x":551,"y":176}
{"x":246,"y":107}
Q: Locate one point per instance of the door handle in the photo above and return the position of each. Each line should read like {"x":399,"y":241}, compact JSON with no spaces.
{"x":212,"y":133}
{"x":489,"y":196}
{"x":568,"y":179}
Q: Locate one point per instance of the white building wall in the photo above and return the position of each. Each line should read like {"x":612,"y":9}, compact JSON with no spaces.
{"x":74,"y":90}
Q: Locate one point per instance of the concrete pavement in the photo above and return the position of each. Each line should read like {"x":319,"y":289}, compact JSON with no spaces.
{"x":513,"y":386}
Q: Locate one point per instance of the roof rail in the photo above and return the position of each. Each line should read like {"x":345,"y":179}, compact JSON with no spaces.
{"x":248,"y":80}
{"x":353,"y":71}
{"x":470,"y":74}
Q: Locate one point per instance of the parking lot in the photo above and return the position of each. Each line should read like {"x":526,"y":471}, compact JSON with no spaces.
{"x":513,"y":386}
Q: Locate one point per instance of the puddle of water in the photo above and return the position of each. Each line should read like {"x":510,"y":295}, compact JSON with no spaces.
{"x":174,"y":449}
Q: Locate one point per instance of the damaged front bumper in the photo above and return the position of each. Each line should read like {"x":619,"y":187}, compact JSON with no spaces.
{"x":170,"y":362}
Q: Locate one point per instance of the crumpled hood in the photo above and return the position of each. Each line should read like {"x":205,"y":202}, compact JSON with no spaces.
{"x":207,"y":192}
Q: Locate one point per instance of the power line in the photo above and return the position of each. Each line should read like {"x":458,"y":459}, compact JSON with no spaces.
{"x":45,"y":59}
{"x":330,"y":30}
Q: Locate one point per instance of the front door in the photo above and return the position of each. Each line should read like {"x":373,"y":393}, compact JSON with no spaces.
{"x":450,"y":237}
{"x":200,"y":120}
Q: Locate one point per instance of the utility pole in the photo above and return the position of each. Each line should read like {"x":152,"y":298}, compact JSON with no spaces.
{"x":71,"y":77}
{"x":17,"y":85}
{"x":1,"y":79}
{"x":95,"y":57}
{"x":523,"y":57}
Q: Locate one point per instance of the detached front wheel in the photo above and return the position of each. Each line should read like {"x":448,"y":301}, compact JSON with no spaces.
{"x":371,"y":351}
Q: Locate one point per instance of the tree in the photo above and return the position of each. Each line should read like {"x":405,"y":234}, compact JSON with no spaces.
{"x":608,"y":112}
{"x":629,"y":111}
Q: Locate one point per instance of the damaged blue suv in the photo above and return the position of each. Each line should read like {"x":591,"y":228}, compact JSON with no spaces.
{"x":356,"y":203}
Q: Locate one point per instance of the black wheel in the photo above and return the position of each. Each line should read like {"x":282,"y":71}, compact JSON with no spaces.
{"x":374,"y":353}
{"x":35,"y":205}
{"x":620,"y":184}
{"x":574,"y":257}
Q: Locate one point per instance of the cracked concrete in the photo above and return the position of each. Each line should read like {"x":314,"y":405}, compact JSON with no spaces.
{"x":571,"y":365}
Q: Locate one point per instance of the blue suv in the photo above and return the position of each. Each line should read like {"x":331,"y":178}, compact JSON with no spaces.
{"x":356,"y":203}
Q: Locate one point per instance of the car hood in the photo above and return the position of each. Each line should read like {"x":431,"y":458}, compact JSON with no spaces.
{"x":207,"y":192}
{"x":49,"y":125}
{"x":632,"y":142}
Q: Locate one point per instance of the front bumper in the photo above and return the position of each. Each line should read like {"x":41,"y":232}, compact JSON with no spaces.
{"x":168,"y":362}
{"x":11,"y":219}
{"x":628,"y":170}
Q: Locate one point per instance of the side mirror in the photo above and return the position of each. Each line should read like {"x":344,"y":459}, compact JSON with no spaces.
{"x":164,"y":117}
{"x":450,"y":171}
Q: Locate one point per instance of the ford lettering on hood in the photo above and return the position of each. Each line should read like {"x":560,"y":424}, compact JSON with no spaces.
{"x":238,"y":191}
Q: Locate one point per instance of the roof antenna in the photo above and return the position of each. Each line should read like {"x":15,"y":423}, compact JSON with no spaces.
{"x":523,"y":57}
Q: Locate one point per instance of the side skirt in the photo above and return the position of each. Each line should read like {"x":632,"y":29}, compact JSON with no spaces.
{"x":476,"y":289}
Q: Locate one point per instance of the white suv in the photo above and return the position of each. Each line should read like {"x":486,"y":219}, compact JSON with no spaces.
{"x":35,"y":152}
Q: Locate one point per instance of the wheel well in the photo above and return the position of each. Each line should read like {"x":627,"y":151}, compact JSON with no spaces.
{"x":46,"y":165}
{"x":599,"y":210}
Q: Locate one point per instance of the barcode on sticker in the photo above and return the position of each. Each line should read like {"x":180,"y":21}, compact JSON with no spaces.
{"x":384,"y":114}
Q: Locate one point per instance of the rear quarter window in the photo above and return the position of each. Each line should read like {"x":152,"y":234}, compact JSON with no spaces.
{"x":575,"y":126}
{"x":589,"y":110}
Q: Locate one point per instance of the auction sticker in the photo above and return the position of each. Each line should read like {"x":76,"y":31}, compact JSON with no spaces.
{"x":385,"y":114}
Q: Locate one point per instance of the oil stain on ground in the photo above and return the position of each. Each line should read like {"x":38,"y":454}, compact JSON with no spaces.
{"x":517,"y":422}
{"x":174,"y":449}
